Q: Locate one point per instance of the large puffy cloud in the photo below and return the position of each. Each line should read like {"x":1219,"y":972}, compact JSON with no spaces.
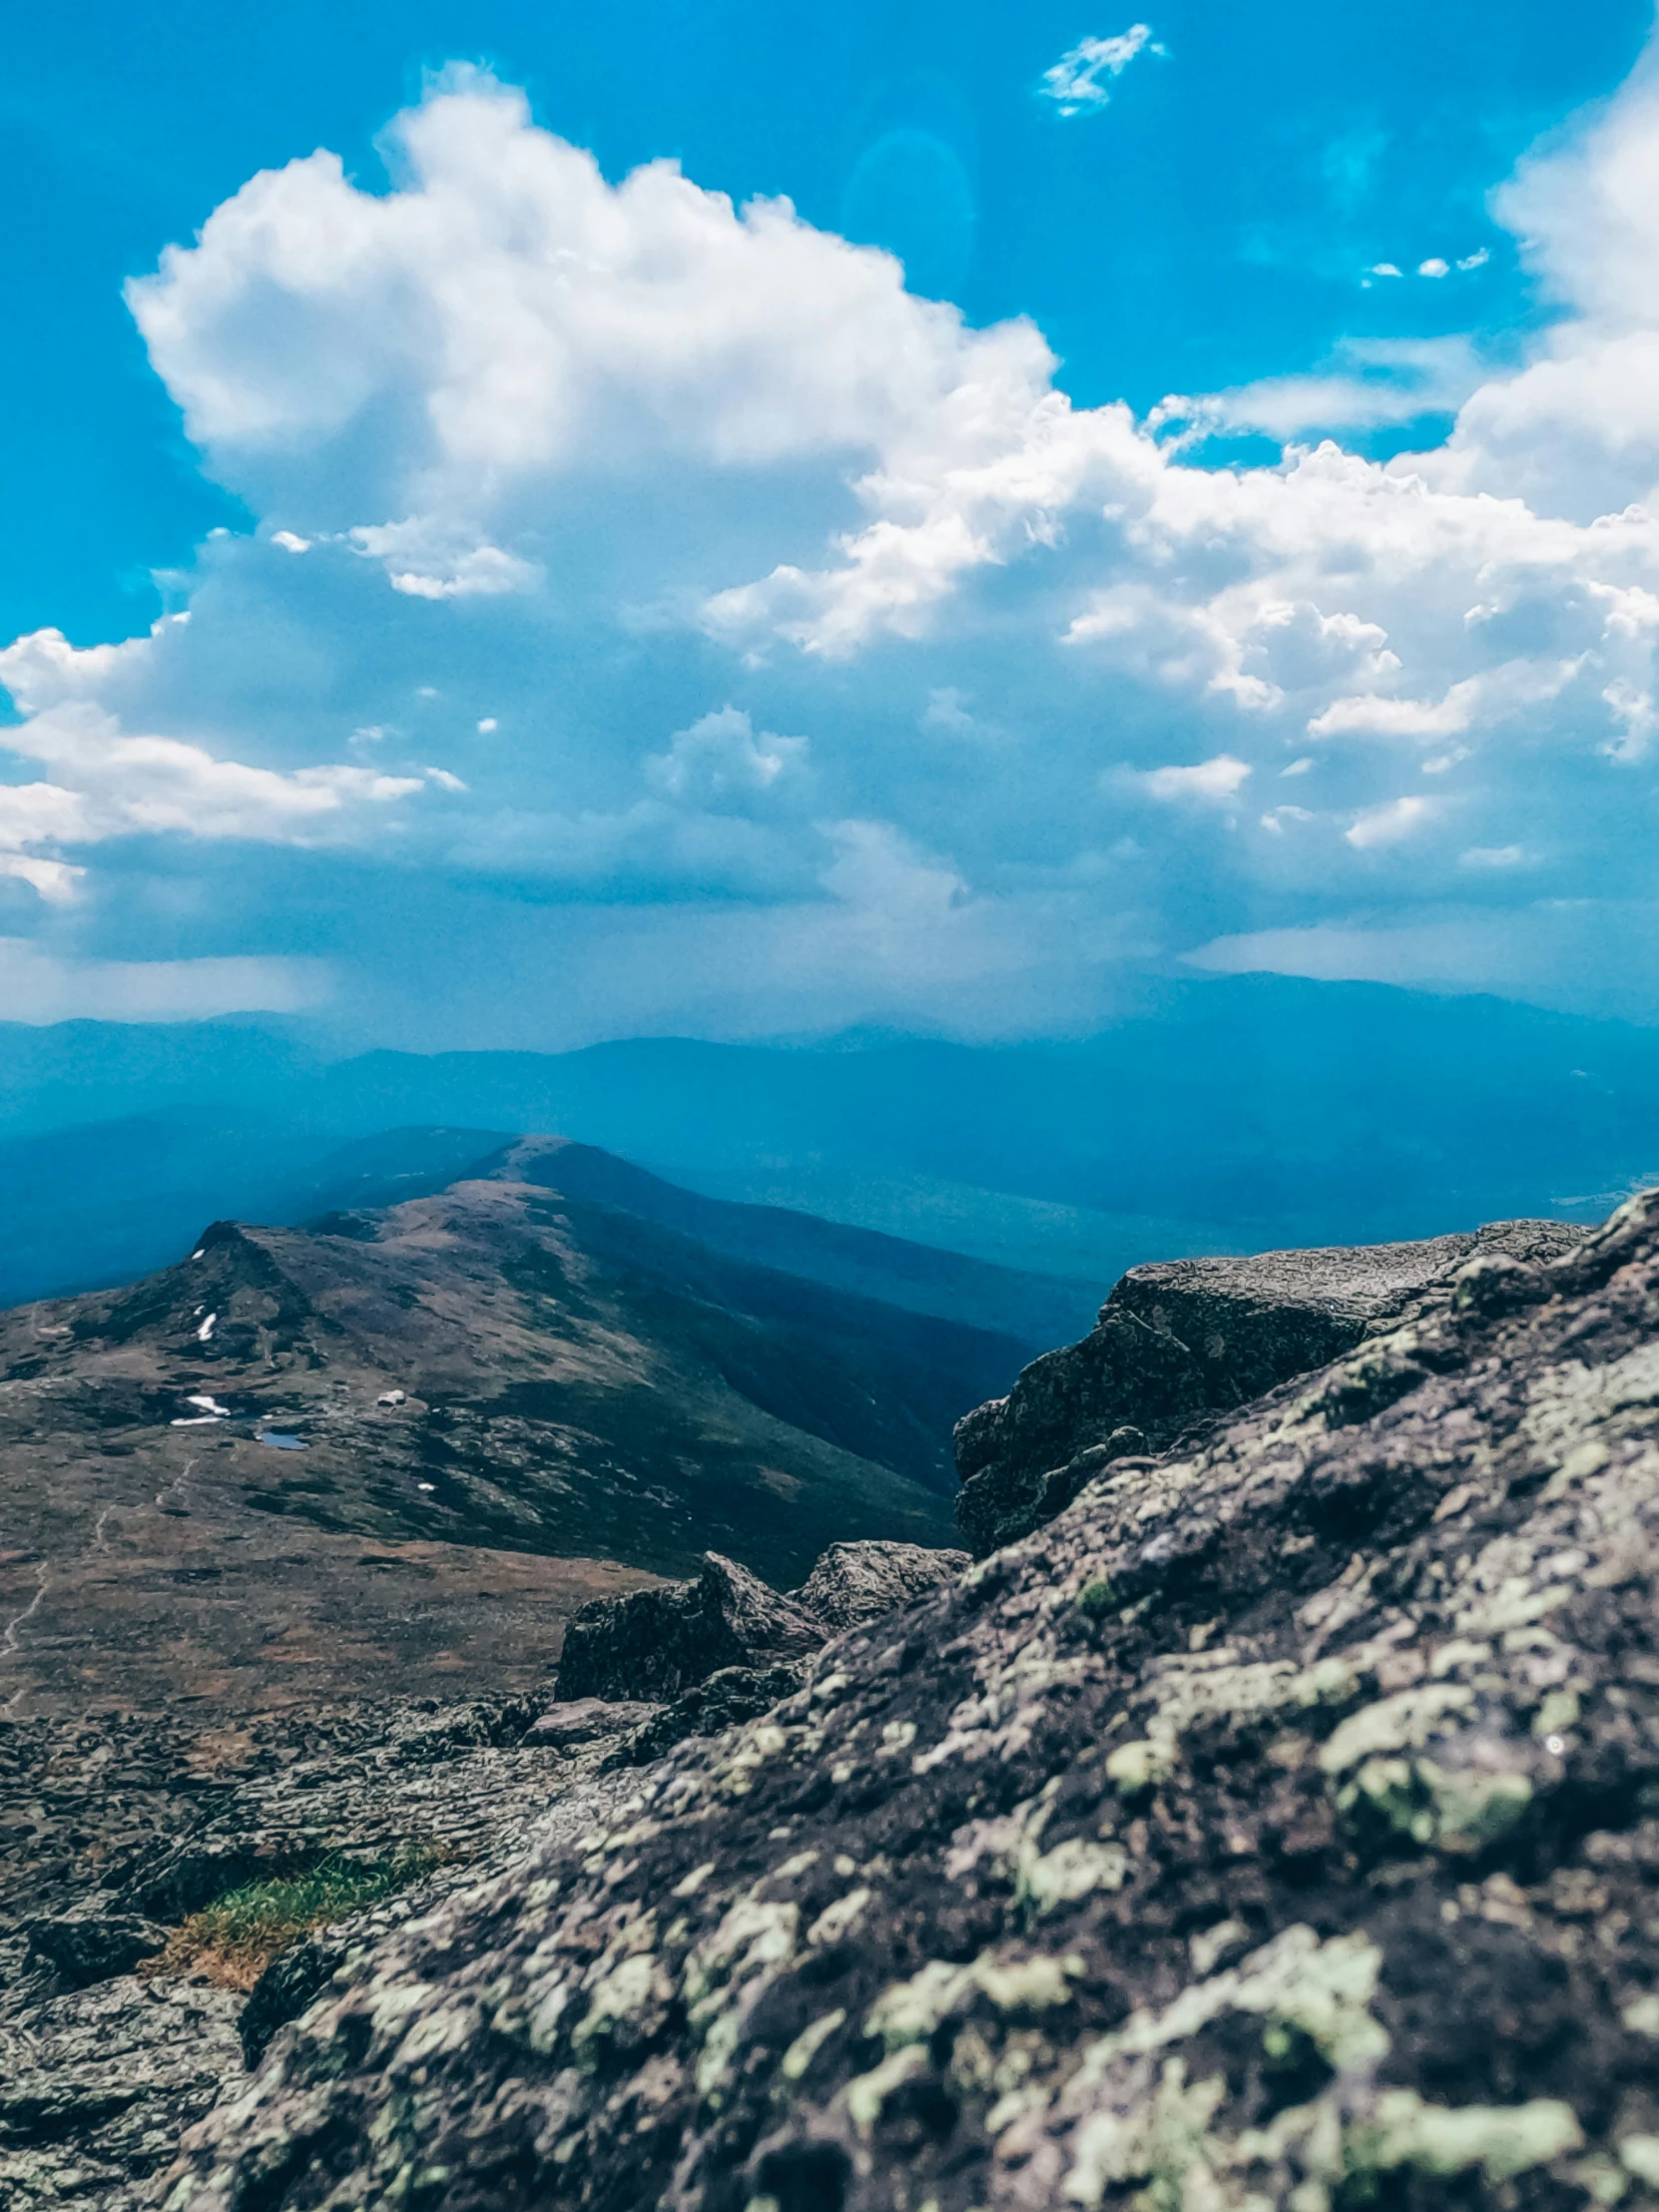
{"x":572,"y":495}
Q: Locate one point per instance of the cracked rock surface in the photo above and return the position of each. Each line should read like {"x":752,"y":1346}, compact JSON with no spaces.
{"x":1180,"y":1341}
{"x":1277,"y":1827}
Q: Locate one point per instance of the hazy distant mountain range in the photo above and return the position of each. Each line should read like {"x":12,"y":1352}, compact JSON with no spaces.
{"x":1237,"y":1114}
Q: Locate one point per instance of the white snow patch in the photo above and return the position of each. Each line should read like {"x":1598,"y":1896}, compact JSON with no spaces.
{"x":207,"y":1329}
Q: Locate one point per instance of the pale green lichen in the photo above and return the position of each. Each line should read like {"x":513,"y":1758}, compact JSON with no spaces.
{"x":1558,"y":1712}
{"x":1137,"y":1767}
{"x":1322,"y":1989}
{"x":1461,"y":1812}
{"x":809,"y":2042}
{"x":1211,"y":1945}
{"x":1405,"y":1722}
{"x":839,"y":1919}
{"x":1202,"y":1687}
{"x":911,"y":2011}
{"x":1049,"y":1880}
{"x":867,"y":2093}
{"x":754,"y":1748}
{"x":617,"y":1996}
{"x":753,"y":1934}
{"x":1160,"y":2139}
{"x":1503,"y":2141}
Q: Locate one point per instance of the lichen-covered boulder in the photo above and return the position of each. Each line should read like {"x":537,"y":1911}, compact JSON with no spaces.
{"x":860,"y":1581}
{"x":1277,"y":1827}
{"x":1180,"y":1339}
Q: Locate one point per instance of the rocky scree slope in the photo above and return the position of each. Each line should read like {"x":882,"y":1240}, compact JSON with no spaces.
{"x":1179,"y":1341}
{"x":1277,"y":1827}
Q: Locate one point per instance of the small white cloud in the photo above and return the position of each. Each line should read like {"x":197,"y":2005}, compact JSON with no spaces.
{"x":427,"y":559}
{"x":722,"y":760}
{"x":1276,"y":818}
{"x":1634,"y":710}
{"x":1299,"y":768}
{"x":948,"y":710}
{"x":289,"y":542}
{"x":1074,"y":80}
{"x":1475,"y":261}
{"x":115,"y":782}
{"x":1208,"y":779}
{"x":53,"y":881}
{"x":1388,"y":824}
{"x":1383,"y":269}
{"x":1368,"y":384}
{"x":1493,"y":696}
{"x":488,"y":725}
{"x":1434,"y":266}
{"x":1492,"y":855}
{"x":443,"y":780}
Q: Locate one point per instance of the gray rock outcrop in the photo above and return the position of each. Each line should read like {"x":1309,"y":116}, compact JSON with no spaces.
{"x":722,"y":1647}
{"x":653,"y":1644}
{"x":1279,"y":1827}
{"x":1181,"y":1340}
{"x":860,"y":1581}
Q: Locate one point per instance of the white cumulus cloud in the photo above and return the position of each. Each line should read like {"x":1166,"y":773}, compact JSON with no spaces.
{"x":593,"y":455}
{"x":1075,"y":82}
{"x":1212,"y":779}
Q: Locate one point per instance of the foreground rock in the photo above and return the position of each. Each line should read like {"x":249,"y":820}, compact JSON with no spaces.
{"x":1180,"y":1341}
{"x":1281,"y":1826}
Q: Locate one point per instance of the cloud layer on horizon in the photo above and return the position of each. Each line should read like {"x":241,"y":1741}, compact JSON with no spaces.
{"x":655,"y":608}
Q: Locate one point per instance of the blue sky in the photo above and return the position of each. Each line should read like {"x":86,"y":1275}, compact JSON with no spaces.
{"x":610,"y":610}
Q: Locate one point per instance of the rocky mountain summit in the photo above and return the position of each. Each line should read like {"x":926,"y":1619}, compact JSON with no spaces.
{"x":301,"y":1463}
{"x":1180,"y":1342}
{"x":1278,"y":1826}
